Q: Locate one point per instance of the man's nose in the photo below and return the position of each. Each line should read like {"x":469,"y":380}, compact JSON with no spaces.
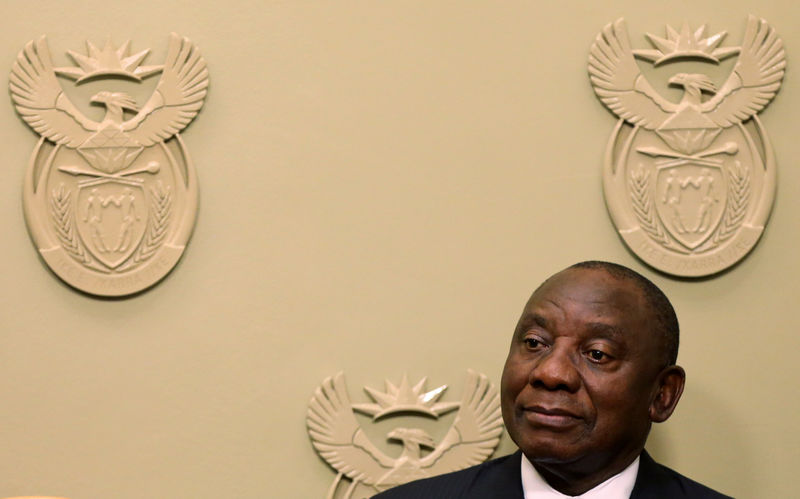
{"x":555,"y":370}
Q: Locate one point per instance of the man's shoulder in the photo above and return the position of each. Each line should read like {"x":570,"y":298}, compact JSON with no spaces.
{"x":496,"y":478}
{"x":501,"y":478}
{"x":656,"y":481}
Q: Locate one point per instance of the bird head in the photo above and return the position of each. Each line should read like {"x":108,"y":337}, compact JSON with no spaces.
{"x":115,"y":99}
{"x":694,"y":81}
{"x":414,"y":435}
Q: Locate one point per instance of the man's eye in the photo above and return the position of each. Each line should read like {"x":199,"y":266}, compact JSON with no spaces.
{"x":598,"y":355}
{"x":532,"y":343}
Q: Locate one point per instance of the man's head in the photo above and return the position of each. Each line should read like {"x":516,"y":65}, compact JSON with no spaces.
{"x":590,"y":367}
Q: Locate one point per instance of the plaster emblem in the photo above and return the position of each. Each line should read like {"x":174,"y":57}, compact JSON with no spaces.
{"x":689,"y":185}
{"x":340,"y":440}
{"x":110,"y":205}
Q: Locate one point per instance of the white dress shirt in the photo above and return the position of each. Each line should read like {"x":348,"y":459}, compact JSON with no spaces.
{"x":618,"y":486}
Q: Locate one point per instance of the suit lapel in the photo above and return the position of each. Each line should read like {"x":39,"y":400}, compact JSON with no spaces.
{"x":504,"y":480}
{"x":651,"y":481}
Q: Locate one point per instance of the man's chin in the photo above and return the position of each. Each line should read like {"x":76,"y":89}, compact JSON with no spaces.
{"x":539,"y":458}
{"x":549,"y":452}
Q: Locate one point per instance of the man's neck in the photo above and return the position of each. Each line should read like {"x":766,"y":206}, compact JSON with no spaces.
{"x":574,"y":479}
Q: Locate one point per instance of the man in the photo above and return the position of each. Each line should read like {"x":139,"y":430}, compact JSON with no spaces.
{"x":590,"y":368}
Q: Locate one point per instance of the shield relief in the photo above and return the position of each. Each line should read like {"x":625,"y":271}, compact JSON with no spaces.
{"x":690,"y":200}
{"x":111,"y":217}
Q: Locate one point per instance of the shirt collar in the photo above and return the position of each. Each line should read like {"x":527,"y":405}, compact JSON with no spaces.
{"x":618,"y":486}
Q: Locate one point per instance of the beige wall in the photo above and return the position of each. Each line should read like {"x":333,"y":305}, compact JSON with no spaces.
{"x":382,"y":185}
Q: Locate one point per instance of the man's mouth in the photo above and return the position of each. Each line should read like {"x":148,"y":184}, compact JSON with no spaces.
{"x":553,"y":417}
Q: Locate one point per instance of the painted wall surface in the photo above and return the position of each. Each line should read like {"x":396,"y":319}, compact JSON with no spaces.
{"x":382,"y":184}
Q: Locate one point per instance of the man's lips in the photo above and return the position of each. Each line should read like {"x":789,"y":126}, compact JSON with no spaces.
{"x":555,"y":417}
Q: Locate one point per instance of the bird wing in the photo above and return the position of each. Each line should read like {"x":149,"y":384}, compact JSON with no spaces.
{"x":336,"y":435}
{"x":475,"y":431}
{"x":177,"y":98}
{"x":755,"y":78}
{"x":40,"y":100}
{"x":619,"y":82}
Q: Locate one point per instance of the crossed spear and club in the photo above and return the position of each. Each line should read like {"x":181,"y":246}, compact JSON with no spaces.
{"x":678,"y":159}
{"x":152,"y":167}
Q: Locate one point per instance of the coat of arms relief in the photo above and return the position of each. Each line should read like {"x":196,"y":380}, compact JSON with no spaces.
{"x":689,"y":184}
{"x":363,"y":469}
{"x":110,"y":203}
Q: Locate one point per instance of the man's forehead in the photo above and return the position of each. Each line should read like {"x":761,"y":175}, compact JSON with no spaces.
{"x":608,"y":325}
{"x":593,"y":287}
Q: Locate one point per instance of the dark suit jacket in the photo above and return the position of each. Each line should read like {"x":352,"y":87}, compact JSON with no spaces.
{"x":501,"y":478}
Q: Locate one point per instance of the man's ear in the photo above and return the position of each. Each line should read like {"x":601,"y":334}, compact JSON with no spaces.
{"x":669,"y":387}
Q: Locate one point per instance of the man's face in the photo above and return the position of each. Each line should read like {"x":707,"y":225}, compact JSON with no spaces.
{"x":581,"y":372}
